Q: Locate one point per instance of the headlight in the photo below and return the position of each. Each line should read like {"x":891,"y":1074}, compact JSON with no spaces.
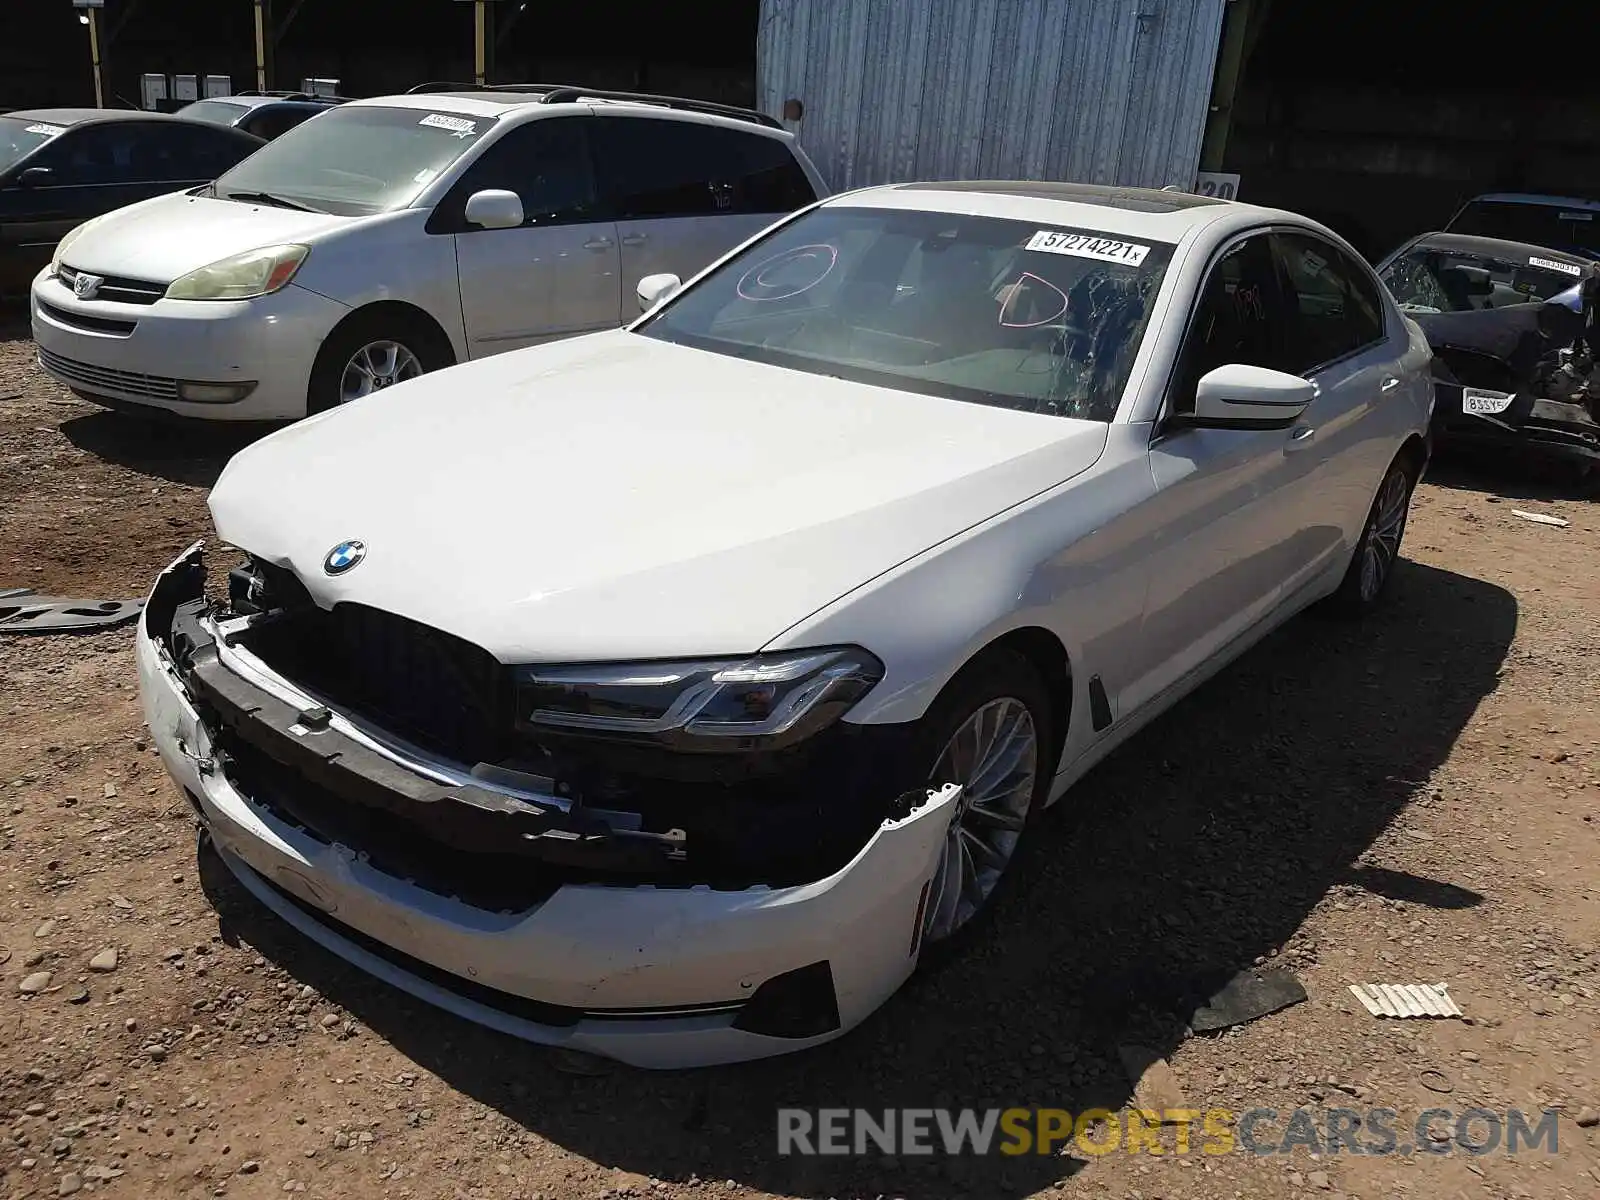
{"x":71,"y":236}
{"x":255,"y":273}
{"x":765,"y":701}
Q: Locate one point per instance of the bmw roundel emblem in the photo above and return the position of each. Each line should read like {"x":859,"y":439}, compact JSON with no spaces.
{"x":344,"y":557}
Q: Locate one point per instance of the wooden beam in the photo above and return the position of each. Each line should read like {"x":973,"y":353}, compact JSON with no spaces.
{"x":264,"y":44}
{"x":94,"y":56}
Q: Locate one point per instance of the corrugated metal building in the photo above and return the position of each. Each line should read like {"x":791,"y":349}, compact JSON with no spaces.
{"x":1093,"y":91}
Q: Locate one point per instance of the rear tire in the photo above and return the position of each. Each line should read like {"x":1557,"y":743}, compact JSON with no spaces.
{"x":1366,"y":581}
{"x":378,"y":348}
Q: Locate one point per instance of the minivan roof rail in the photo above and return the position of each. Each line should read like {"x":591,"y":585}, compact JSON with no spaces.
{"x":567,"y":93}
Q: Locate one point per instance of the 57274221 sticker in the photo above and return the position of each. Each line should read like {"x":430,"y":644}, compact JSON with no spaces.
{"x":1088,"y":245}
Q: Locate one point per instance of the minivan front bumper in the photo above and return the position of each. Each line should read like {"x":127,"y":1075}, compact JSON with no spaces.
{"x":141,"y":355}
{"x":654,"y":976}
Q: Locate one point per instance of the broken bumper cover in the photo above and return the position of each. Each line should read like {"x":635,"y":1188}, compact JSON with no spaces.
{"x":659,"y":977}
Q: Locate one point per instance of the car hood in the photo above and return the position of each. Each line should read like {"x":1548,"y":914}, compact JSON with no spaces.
{"x":169,"y":236}
{"x":613,"y":496}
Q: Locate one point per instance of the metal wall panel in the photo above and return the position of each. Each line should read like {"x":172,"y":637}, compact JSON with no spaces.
{"x":1092,"y":91}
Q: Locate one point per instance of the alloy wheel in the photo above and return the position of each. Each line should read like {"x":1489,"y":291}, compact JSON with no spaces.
{"x":375,"y":366}
{"x":1382,"y":544}
{"x":994,"y":755}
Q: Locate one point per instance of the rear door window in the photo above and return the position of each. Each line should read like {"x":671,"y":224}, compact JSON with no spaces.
{"x":1337,"y":307}
{"x":657,"y":167}
{"x":188,"y":153}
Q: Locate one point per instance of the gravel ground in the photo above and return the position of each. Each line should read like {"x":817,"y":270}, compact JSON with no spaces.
{"x":1412,"y":800}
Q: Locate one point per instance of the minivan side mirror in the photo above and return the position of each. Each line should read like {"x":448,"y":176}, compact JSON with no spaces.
{"x":654,"y":289}
{"x":35,"y":177}
{"x":494,"y":208}
{"x":1237,"y":396}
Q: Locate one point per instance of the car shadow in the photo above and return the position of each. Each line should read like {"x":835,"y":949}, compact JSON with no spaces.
{"x":1187,"y":856}
{"x":1512,"y":474}
{"x":180,"y":451}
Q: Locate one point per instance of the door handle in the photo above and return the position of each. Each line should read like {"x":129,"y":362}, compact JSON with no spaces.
{"x":1300,"y":437}
{"x":635,"y":239}
{"x":599,"y":243}
{"x":1389,"y":383}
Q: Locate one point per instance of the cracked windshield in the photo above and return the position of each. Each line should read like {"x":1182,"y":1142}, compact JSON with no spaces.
{"x":1037,"y":318}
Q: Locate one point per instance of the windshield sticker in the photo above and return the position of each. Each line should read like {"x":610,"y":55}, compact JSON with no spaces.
{"x":459,"y":126}
{"x":1084,"y":245}
{"x":785,"y":276}
{"x":1550,"y":264}
{"x":47,"y":130}
{"x":1031,"y":302}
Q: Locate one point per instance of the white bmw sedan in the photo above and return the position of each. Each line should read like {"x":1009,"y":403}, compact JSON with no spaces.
{"x":670,"y":692}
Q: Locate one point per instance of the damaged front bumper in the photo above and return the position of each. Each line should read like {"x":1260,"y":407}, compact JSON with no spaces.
{"x":655,"y":976}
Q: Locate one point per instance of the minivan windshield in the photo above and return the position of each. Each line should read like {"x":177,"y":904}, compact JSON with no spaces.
{"x":356,"y":159}
{"x":1032,"y":316}
{"x":20,"y":137}
{"x":1431,"y":279}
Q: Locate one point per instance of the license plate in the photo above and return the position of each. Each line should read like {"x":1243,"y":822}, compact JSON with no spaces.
{"x":1484,"y":403}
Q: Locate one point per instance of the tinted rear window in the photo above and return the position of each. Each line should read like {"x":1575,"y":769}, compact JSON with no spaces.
{"x":1533,"y":224}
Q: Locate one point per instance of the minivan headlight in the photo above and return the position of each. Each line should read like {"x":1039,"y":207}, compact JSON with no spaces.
{"x":713,"y":704}
{"x":254,"y":273}
{"x":71,"y":236}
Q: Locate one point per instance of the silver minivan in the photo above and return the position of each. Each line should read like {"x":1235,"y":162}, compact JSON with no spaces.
{"x":397,"y":235}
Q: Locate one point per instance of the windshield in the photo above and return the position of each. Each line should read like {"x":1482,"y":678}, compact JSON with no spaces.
{"x":1430,"y":280}
{"x":1535,"y":224}
{"x":218,"y":112}
{"x":20,"y":137}
{"x":356,"y":160}
{"x":1039,"y":318}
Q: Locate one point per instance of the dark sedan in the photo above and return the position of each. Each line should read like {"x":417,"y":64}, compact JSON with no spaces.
{"x":61,"y":166}
{"x":265,"y":114}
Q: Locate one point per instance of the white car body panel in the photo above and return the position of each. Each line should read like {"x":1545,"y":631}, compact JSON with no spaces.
{"x":685,"y":549}
{"x":618,"y":498}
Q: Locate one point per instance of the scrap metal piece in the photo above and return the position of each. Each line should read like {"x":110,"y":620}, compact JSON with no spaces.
{"x":23,"y":612}
{"x":1248,"y":995}
{"x":1541,"y":518}
{"x":1406,"y":999}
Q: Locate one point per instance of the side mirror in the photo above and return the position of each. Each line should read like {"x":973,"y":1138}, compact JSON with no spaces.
{"x":653,"y":289}
{"x":35,"y":177}
{"x":494,"y":208}
{"x":1236,"y":396}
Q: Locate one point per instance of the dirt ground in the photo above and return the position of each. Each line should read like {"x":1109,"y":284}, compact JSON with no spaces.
{"x":1412,"y":800}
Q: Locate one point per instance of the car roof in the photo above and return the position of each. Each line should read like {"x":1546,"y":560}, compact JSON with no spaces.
{"x":1537,"y":199}
{"x":501,"y":103}
{"x":86,"y":116}
{"x":1464,"y":243}
{"x":1143,"y":212}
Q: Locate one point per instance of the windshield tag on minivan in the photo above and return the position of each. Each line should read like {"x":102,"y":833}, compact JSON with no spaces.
{"x":456,"y":125}
{"x":47,"y":130}
{"x":1085,"y":245}
{"x":1550,"y":264}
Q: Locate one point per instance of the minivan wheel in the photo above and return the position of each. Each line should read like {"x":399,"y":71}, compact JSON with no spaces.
{"x":990,"y":732}
{"x":371,"y":353}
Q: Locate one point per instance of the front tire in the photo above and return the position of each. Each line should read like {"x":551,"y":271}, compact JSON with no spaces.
{"x":990,"y":731}
{"x":1371,"y":568}
{"x":370,"y":352}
